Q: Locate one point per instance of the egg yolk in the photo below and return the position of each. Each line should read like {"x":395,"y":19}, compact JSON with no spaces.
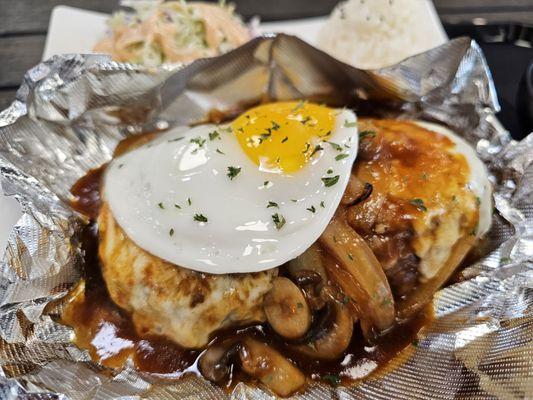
{"x":284,"y":136}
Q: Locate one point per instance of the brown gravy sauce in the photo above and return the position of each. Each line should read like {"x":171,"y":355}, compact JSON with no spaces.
{"x":109,"y":335}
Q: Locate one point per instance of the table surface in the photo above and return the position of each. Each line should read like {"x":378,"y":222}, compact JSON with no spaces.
{"x":24,"y":23}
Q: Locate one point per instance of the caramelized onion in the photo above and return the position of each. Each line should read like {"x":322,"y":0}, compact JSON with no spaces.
{"x":424,"y":293}
{"x":356,"y":191}
{"x":273,"y":370}
{"x":359,"y":274}
{"x":310,"y":259}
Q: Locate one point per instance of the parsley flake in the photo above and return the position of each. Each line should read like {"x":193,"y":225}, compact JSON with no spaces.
{"x":299,"y":305}
{"x":233,"y":172}
{"x":200,"y":218}
{"x":305,"y":120}
{"x":335,"y":146}
{"x":316,"y":149}
{"x":161,"y":206}
{"x":275,"y":126}
{"x":333,"y":380}
{"x":264,"y":136}
{"x":177,"y":206}
{"x":329,"y":171}
{"x":322,"y":204}
{"x":214,"y":135}
{"x":418,"y":203}
{"x":311,"y":209}
{"x":294,"y":200}
{"x":350,"y":256}
{"x":189,"y":201}
{"x":219,"y":151}
{"x":367,"y":133}
{"x":278,"y":220}
{"x":171,"y":232}
{"x":199,"y":141}
{"x":176,"y":140}
{"x":307,"y":146}
{"x":341,"y":156}
{"x":348,"y":124}
{"x":330,"y":180}
{"x":285,"y":139}
{"x":272,"y":204}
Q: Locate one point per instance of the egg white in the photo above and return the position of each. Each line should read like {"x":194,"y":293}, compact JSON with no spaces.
{"x":148,"y":191}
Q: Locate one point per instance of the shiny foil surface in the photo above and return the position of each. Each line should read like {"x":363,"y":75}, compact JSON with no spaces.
{"x":72,"y":110}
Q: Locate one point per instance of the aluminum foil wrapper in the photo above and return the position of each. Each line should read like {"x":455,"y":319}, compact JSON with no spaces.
{"x":72,"y":110}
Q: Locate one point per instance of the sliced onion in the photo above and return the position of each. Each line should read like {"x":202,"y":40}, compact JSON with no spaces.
{"x":359,"y":274}
{"x":273,"y":370}
{"x":310,"y":260}
{"x":424,"y":293}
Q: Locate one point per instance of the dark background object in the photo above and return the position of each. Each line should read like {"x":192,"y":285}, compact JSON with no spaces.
{"x":509,"y":53}
{"x":24,"y":23}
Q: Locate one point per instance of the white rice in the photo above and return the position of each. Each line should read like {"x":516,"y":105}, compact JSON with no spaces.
{"x":378,"y":33}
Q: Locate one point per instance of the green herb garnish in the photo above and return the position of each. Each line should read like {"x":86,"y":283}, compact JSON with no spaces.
{"x":364,"y":134}
{"x":322,"y":204}
{"x":219,"y":151}
{"x":341,"y":156}
{"x":311,"y":209}
{"x":350,"y":124}
{"x":316,"y":149}
{"x":189,"y":201}
{"x":161,"y":206}
{"x":333,"y":380}
{"x":278,"y":220}
{"x":200,"y":218}
{"x":264,"y":136}
{"x":335,"y":146}
{"x":199,"y":141}
{"x":171,"y":232}
{"x":330,"y":180}
{"x":233,"y":172}
{"x":272,"y":204}
{"x":177,"y":206}
{"x":285,"y":139}
{"x":418,"y":203}
{"x":214,"y":135}
{"x":176,"y":140}
{"x":305,"y":120}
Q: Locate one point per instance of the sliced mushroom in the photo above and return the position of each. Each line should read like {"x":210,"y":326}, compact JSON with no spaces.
{"x":286,"y":309}
{"x":333,"y":337}
{"x":215,"y":362}
{"x":270,"y":367}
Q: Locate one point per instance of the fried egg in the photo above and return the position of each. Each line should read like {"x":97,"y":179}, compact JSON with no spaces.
{"x":243,"y":197}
